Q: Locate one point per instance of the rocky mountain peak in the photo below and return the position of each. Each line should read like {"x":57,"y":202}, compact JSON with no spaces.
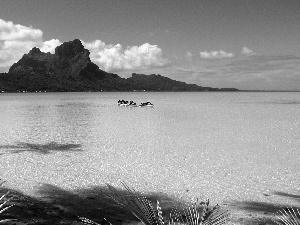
{"x":70,"y":49}
{"x":70,"y":69}
{"x":34,"y":51}
{"x":71,"y":59}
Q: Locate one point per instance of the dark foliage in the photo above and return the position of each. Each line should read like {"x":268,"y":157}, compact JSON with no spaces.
{"x":59,"y":206}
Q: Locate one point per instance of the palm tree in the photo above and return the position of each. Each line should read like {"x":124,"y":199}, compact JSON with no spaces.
{"x":142,"y":208}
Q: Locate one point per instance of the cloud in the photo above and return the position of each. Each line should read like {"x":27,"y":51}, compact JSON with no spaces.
{"x":95,"y":47}
{"x":277,"y":72}
{"x":248,"y":52}
{"x":268,"y":72}
{"x":16,"y":40}
{"x":216,"y":54}
{"x":13,"y":32}
{"x":264,"y":63}
{"x":49,"y":46}
{"x":115,"y":58}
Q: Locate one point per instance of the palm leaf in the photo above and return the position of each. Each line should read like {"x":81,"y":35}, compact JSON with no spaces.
{"x":288,"y":216}
{"x":2,"y":205}
{"x":142,"y":208}
{"x":87,"y":221}
{"x":195,"y":215}
{"x":139,"y":205}
{"x":2,"y":208}
{"x":159,"y":214}
{"x":2,"y":182}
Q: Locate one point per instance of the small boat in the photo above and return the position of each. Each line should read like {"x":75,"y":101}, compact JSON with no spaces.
{"x":146,"y":104}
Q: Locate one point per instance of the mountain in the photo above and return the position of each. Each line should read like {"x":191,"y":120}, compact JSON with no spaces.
{"x":155,"y":82}
{"x":70,"y":69}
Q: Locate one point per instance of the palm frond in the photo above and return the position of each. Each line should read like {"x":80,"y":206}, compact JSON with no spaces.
{"x":139,"y":205}
{"x":87,"y":221}
{"x":2,"y":205}
{"x":200,"y":215}
{"x":142,"y":208}
{"x":159,"y":214}
{"x":175,"y":216}
{"x":2,"y":182}
{"x":288,"y":216}
{"x":2,"y":208}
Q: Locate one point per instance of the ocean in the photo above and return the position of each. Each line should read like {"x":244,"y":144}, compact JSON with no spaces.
{"x":225,"y":146}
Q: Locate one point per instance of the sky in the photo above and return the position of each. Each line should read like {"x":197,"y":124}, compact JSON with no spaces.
{"x":244,"y":44}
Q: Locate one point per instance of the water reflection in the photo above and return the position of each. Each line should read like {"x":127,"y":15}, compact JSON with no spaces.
{"x":41,"y":148}
{"x":60,"y":120}
{"x":74,"y":120}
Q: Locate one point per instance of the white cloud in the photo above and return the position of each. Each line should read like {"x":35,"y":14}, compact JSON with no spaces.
{"x":95,"y":47}
{"x":17,"y":40}
{"x":49,"y":46}
{"x":10,"y":31}
{"x":215,"y":54}
{"x":247,"y":51}
{"x":115,"y":58}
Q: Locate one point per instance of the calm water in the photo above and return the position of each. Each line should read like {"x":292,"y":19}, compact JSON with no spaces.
{"x":220,"y":146}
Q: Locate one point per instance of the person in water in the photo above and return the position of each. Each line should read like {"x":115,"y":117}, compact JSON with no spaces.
{"x":132,"y":103}
{"x":146,"y":103}
{"x":143,"y":103}
{"x":120,"y":102}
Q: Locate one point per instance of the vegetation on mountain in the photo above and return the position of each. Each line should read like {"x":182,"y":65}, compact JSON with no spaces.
{"x":70,"y":69}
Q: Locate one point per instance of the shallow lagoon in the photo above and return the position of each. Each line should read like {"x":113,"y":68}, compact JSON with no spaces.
{"x":223,"y":146}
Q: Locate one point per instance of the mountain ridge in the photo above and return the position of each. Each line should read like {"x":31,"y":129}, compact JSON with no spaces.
{"x":70,"y":69}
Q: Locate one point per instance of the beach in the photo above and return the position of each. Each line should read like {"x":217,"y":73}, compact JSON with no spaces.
{"x":238,"y":150}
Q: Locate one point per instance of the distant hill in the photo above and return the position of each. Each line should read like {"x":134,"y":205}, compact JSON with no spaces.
{"x":160,"y":83}
{"x":70,"y":69}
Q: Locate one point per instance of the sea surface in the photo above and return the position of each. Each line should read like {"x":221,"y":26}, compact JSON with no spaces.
{"x":222,"y":145}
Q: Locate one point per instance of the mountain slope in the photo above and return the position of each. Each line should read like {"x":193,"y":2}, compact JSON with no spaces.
{"x":70,"y":69}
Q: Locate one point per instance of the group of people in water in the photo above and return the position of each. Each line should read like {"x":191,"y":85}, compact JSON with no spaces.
{"x":133,"y":104}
